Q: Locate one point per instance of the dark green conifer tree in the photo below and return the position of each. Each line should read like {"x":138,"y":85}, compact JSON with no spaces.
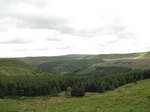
{"x":1,"y":93}
{"x":101,"y":89}
{"x":54,"y":92}
{"x":20,"y":90}
{"x":12,"y":89}
{"x":74,"y":91}
{"x":80,"y":92}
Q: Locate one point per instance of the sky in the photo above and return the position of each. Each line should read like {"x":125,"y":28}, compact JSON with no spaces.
{"x":60,"y":27}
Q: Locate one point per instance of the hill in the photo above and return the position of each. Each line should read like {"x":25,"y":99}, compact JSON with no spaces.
{"x":40,"y":60}
{"x":14,"y":67}
{"x":83,"y":67}
{"x":106,"y":57}
{"x":131,"y":63}
{"x":141,"y":55}
{"x":133,"y":97}
{"x":70,"y":67}
{"x":104,"y":64}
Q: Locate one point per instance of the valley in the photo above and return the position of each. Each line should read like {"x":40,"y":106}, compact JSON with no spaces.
{"x":133,"y":97}
{"x":90,"y":83}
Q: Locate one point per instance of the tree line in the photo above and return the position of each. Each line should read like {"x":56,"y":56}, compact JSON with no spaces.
{"x":76,"y":85}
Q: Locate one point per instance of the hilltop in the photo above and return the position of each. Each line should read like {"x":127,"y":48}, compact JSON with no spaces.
{"x":141,"y":55}
{"x":14,"y":67}
{"x":44,"y":59}
{"x":104,"y":64}
{"x":106,"y":57}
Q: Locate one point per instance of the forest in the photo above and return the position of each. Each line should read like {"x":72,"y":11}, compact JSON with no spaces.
{"x":14,"y":86}
{"x":82,"y":67}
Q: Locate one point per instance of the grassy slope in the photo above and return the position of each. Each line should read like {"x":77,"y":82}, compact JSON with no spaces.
{"x":40,"y":60}
{"x":142,"y":55}
{"x":13,"y":67}
{"x":132,"y":60}
{"x":133,"y":97}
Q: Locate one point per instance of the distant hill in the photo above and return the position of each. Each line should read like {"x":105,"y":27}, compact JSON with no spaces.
{"x":70,"y":67}
{"x":141,"y":55}
{"x":14,"y":67}
{"x":40,"y":60}
{"x":131,"y":63}
{"x":78,"y":64}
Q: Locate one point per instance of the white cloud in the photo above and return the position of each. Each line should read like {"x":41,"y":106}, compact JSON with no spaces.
{"x":56,"y":27}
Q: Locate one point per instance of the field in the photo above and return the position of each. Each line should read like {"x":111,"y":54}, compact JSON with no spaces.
{"x":133,"y":97}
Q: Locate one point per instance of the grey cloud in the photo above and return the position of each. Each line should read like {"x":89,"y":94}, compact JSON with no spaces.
{"x":112,"y":26}
{"x":39,"y":21}
{"x":113,"y":41}
{"x":104,"y":44}
{"x":14,"y":41}
{"x":41,"y":49}
{"x":53,"y":39}
{"x":65,"y":47}
{"x":118,"y":28}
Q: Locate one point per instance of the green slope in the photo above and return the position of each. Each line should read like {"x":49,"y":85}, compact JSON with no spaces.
{"x":133,"y":97}
{"x":69,"y":67}
{"x":40,"y":60}
{"x":14,"y":67}
{"x":76,"y":65}
{"x":84,"y":67}
{"x":131,"y":63}
{"x":141,"y":55}
{"x":129,"y":98}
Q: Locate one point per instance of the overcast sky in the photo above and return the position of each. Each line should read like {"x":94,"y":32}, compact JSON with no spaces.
{"x":59,"y":27}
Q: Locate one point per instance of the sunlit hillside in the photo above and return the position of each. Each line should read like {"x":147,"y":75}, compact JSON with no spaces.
{"x":14,"y":67}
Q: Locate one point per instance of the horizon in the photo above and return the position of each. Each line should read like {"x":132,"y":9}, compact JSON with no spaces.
{"x":55,"y":27}
{"x":71,"y":55}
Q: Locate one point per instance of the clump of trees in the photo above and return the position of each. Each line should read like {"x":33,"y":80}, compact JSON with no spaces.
{"x":78,"y":85}
{"x":77,"y":92}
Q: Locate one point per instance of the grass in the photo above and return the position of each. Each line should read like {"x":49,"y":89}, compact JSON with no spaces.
{"x":14,"y":67}
{"x":133,"y":97}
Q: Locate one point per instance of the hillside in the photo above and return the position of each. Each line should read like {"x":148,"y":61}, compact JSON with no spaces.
{"x":141,"y":55}
{"x":83,"y":67}
{"x":70,"y":67}
{"x":133,"y":97}
{"x":131,"y":63}
{"x":104,"y":64}
{"x":40,"y":60}
{"x":14,"y":67}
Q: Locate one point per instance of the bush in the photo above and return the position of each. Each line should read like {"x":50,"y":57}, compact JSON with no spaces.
{"x":80,"y":93}
{"x":1,"y":94}
{"x":77,"y":92}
